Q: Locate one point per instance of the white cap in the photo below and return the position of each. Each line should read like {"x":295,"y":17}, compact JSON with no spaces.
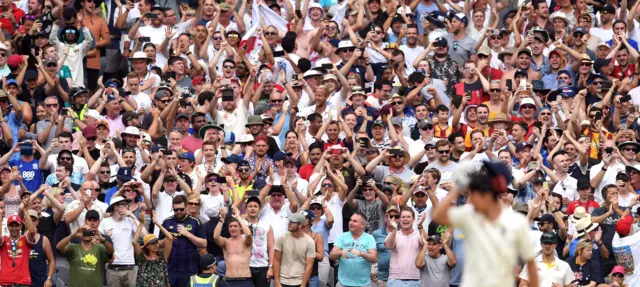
{"x":131,"y":130}
{"x":245,"y":138}
{"x":528,"y":101}
{"x":94,"y":114}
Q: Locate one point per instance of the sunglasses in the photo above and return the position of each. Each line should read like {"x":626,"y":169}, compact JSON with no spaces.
{"x":367,"y":190}
{"x":316,"y":208}
{"x":455,"y":45}
{"x":105,"y":172}
{"x":178,"y":209}
{"x":267,"y":33}
{"x":494,"y":90}
{"x":348,"y":49}
{"x":397,"y":156}
{"x":3,"y":54}
{"x":496,"y":38}
{"x":217,"y":38}
{"x":629,"y":149}
{"x":193,"y":203}
{"x":528,"y":107}
{"x":51,"y":65}
{"x":585,"y":64}
{"x":170,"y":181}
{"x":389,"y":183}
{"x":397,"y":103}
{"x":330,"y":28}
{"x":276,"y":101}
{"x":92,"y":138}
{"x":378,"y":32}
{"x":429,"y":147}
{"x":165,"y":101}
{"x":545,"y":114}
{"x":232,"y":36}
{"x":229,"y":67}
{"x":65,"y":158}
{"x":244,"y":169}
{"x":51,"y":105}
{"x":397,"y":216}
{"x":618,"y":275}
{"x":29,"y":17}
{"x":69,"y":31}
{"x":427,"y":128}
{"x":327,"y":185}
{"x":443,"y":151}
{"x":597,"y":83}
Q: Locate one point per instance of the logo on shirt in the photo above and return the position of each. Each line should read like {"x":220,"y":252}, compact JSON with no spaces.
{"x":90,"y":260}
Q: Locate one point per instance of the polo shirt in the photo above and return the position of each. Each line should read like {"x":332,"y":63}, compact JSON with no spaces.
{"x":568,"y":187}
{"x":557,"y":272}
{"x":184,"y":254}
{"x":402,"y":265}
{"x":279,"y":220}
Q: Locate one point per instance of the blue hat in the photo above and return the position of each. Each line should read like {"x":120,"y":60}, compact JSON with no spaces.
{"x":500,"y":175}
{"x":308,"y":214}
{"x":187,"y":155}
{"x":124,"y":174}
{"x":579,"y":30}
{"x":12,"y":82}
{"x":522,"y":146}
{"x":156,"y":148}
{"x":259,"y":183}
{"x":334,"y":42}
{"x":229,"y":138}
{"x":568,"y":92}
{"x":463,"y":18}
{"x":234,"y":158}
{"x":437,"y":19}
{"x":111,"y":98}
{"x":280,"y":155}
{"x":564,"y":72}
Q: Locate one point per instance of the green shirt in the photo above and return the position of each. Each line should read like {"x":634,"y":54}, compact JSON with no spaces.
{"x":87,"y":267}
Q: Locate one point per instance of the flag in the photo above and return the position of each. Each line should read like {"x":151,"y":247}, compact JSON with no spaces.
{"x":261,"y":13}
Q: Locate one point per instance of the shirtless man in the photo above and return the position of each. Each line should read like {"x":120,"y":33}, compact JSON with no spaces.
{"x":237,"y":250}
{"x":309,"y":34}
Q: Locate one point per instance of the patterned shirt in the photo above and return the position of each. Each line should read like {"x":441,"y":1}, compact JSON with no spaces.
{"x":263,"y":168}
{"x":448,"y":71}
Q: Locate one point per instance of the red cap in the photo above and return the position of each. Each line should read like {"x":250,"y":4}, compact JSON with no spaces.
{"x":89,"y":131}
{"x":618,"y":270}
{"x":197,"y":80}
{"x":14,"y":60}
{"x":623,"y":226}
{"x":14,"y":218}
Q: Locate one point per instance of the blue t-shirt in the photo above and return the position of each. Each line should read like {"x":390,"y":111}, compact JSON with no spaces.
{"x":30,"y":172}
{"x":384,"y":254}
{"x":184,"y":255}
{"x":355,"y":271}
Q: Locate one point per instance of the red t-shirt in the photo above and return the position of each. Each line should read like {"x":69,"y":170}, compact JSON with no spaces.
{"x":18,"y":274}
{"x":306,"y":171}
{"x":589,"y":206}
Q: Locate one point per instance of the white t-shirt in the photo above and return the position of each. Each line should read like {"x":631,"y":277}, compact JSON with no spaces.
{"x":559,"y":273}
{"x":410,"y":54}
{"x":163,"y":205}
{"x":156,"y":35}
{"x":627,"y":252}
{"x":211,"y":205}
{"x":609,"y":178}
{"x":143,"y":101}
{"x":335,"y":205}
{"x":604,"y":35}
{"x":73,"y":226}
{"x":477,"y":159}
{"x":79,"y":164}
{"x":492,"y":249}
{"x":279,"y":221}
{"x":259,"y":253}
{"x":121,"y":233}
{"x":233,"y":121}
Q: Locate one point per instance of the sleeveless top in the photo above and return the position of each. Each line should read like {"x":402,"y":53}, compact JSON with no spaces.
{"x":12,"y":203}
{"x":38,"y":266}
{"x":196,"y":281}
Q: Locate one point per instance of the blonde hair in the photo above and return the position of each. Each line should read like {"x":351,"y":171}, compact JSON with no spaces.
{"x":54,"y":191}
{"x":582,"y":245}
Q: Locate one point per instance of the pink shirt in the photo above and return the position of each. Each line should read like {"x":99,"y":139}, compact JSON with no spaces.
{"x":403,"y":256}
{"x":115,"y":125}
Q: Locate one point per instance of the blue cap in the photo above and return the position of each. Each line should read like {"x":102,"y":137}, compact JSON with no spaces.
{"x":463,"y":18}
{"x":156,"y":148}
{"x":308,"y":214}
{"x":334,"y":42}
{"x":125,"y":174}
{"x":440,"y":42}
{"x":564,"y":72}
{"x":234,"y":158}
{"x":12,"y":82}
{"x":568,"y":92}
{"x":259,"y":183}
{"x":111,"y":98}
{"x":522,"y":146}
{"x":280,"y":155}
{"x":187,"y":155}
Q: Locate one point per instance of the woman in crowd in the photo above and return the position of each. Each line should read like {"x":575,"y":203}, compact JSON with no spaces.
{"x":152,"y":266}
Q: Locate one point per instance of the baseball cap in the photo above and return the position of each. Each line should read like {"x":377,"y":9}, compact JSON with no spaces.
{"x":549,"y":237}
{"x":14,"y":60}
{"x":14,"y":218}
{"x":546,"y":218}
{"x":440,"y":42}
{"x":297,"y":218}
{"x":522,"y":146}
{"x":149,"y":239}
{"x":187,"y":155}
{"x":92,"y":214}
{"x":208,"y":260}
{"x":435,"y":238}
{"x":623,"y":226}
{"x":89,"y":131}
{"x":30,"y":75}
{"x":124,"y":174}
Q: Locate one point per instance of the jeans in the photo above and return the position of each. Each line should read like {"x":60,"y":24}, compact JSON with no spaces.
{"x":259,"y":276}
{"x":314,"y":281}
{"x":403,"y":283}
{"x":179,"y":279}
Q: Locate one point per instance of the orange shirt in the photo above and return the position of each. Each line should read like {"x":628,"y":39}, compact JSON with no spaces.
{"x":100,"y":32}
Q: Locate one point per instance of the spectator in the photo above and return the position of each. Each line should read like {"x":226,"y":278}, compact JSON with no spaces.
{"x":295,"y":254}
{"x":355,"y":258}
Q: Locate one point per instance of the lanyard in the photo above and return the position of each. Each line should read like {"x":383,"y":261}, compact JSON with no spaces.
{"x":14,"y":251}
